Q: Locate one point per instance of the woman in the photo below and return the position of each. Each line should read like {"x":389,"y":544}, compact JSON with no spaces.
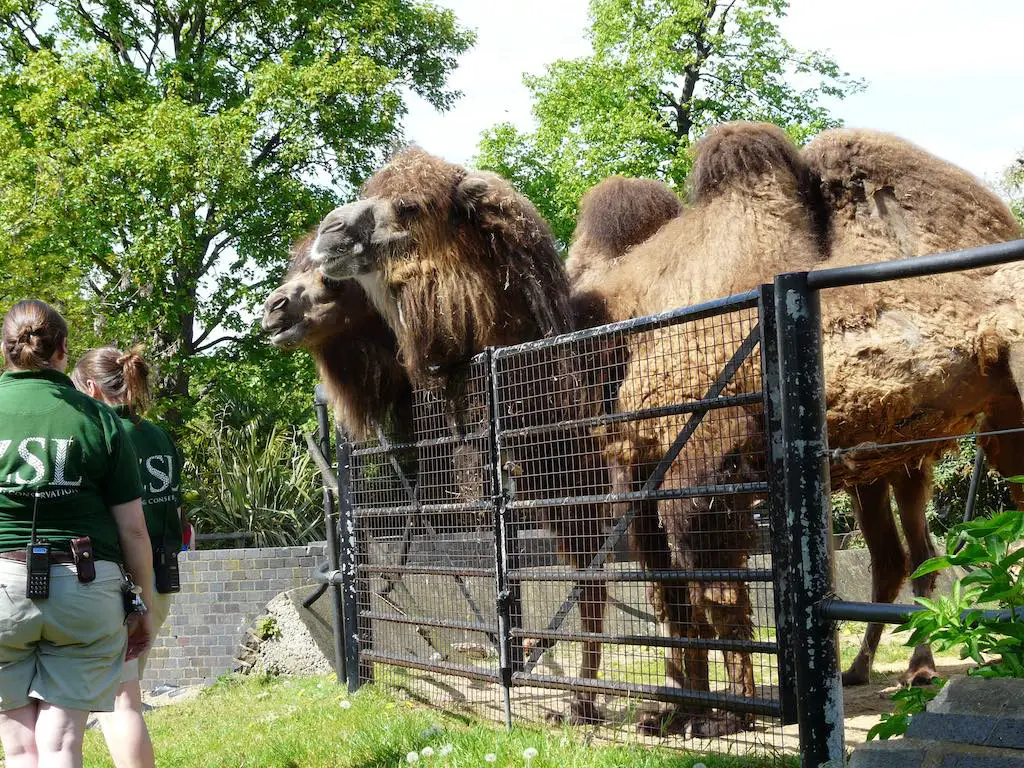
{"x":67,"y":471}
{"x":122,"y":381}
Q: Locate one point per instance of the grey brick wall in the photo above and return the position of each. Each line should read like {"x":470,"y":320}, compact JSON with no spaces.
{"x":222,"y":591}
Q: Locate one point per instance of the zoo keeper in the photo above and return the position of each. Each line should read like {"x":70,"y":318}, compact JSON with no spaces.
{"x":68,"y":470}
{"x":121,"y":380}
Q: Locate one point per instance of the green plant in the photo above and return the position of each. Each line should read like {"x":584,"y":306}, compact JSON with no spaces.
{"x":267,"y":628}
{"x":255,"y":478}
{"x":994,"y":640}
{"x":952,"y":477}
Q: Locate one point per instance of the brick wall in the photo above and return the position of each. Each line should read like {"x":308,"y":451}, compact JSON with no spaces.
{"x":222,"y":591}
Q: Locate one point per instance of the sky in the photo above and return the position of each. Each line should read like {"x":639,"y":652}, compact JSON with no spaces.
{"x":944,"y":74}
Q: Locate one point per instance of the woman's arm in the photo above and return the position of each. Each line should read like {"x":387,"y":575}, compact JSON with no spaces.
{"x":138,"y":560}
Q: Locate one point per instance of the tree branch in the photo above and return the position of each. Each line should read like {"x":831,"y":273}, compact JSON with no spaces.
{"x":198,"y":348}
{"x":272,"y":143}
{"x":106,"y":266}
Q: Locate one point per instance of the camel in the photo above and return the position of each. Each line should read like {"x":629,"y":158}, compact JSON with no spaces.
{"x":901,"y":361}
{"x":354,"y":350}
{"x":458,"y":261}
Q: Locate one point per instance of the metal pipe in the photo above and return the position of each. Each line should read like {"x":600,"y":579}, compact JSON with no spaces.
{"x":654,"y":574}
{"x":920,"y":266}
{"x":350,"y":583}
{"x":976,"y":475}
{"x":636,"y":325}
{"x":380,"y":450}
{"x":776,"y":504}
{"x":323,"y":446}
{"x":665,"y":693}
{"x":808,"y":518}
{"x":691,"y":406}
{"x":466,"y":506}
{"x":427,"y":570}
{"x":447,"y":667}
{"x":654,"y":494}
{"x":427,"y":621}
{"x":652,"y":641}
{"x":897,"y":613}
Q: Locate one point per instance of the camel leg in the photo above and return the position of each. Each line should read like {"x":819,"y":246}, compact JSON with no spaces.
{"x":888,"y":566}
{"x":583,"y":709}
{"x":729,"y":608}
{"x":1006,"y":452}
{"x":912,"y":489}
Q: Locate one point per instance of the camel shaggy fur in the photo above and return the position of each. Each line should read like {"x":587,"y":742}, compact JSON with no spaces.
{"x":353,"y":348}
{"x":457,"y":261}
{"x":902,"y":360}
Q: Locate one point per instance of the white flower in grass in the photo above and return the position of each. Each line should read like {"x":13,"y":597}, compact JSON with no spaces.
{"x":345,"y":704}
{"x":490,"y":757}
{"x":412,"y":757}
{"x":446,"y":749}
{"x":564,"y":742}
{"x":699,"y":765}
{"x":529,"y":754}
{"x":427,"y":752}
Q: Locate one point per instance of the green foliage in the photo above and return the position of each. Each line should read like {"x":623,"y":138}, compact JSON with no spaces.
{"x":907,"y":703}
{"x":660,"y":73}
{"x":266,"y":628}
{"x":952,"y":481}
{"x":257,"y":478}
{"x":156,"y":159}
{"x":1013,"y":187}
{"x":990,"y":549}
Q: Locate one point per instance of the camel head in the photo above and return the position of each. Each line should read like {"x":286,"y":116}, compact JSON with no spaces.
{"x":416,"y":202}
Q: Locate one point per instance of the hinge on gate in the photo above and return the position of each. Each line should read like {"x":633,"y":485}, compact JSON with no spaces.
{"x":503,"y":599}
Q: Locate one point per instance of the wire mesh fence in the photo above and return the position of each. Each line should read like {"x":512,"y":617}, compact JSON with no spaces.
{"x":579,"y":533}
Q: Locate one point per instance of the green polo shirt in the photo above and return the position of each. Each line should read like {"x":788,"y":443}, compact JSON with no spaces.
{"x":160,"y":470}
{"x":67,"y":456}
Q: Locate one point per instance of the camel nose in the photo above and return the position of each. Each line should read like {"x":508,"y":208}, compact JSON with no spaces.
{"x":274,"y":304}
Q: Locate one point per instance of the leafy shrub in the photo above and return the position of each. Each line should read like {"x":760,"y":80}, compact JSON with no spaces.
{"x":952,"y":482}
{"x":267,"y":628}
{"x":990,"y":548}
{"x":254,"y":478}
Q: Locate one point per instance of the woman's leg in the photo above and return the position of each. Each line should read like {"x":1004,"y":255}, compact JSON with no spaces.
{"x":59,"y":733}
{"x":125,"y":730}
{"x":18,"y":735}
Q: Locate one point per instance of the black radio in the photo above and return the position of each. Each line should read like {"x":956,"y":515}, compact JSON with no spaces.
{"x":165,"y":567}
{"x":37,"y":571}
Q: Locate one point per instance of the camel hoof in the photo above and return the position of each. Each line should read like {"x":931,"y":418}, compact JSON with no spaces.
{"x":716,"y":726}
{"x":580,"y":713}
{"x":853,"y":677}
{"x":666,"y":723}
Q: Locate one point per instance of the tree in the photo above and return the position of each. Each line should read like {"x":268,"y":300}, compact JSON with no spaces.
{"x":661,"y":71}
{"x":1013,"y":187}
{"x":156,"y":156}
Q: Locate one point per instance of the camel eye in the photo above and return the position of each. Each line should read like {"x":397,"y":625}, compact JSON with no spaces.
{"x":407,"y":209}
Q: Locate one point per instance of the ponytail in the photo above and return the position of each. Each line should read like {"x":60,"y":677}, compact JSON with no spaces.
{"x":121,"y":377}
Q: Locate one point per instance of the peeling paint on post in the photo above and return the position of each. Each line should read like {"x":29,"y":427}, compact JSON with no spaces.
{"x":808,"y":519}
{"x":350,"y":584}
{"x":323,"y":426}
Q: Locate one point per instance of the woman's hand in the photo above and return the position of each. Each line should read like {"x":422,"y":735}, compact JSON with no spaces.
{"x":140,"y":635}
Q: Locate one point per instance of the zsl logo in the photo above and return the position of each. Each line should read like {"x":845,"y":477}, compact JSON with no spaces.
{"x":160,"y":467}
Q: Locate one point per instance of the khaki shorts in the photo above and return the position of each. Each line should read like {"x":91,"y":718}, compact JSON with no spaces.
{"x":134,"y":669}
{"x":66,"y":650}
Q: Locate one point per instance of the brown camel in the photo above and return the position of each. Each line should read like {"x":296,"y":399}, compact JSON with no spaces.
{"x":353,"y":348}
{"x":901,"y":360}
{"x":457,"y":261}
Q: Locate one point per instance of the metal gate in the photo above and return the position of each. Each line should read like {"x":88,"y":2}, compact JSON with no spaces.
{"x":580,"y":530}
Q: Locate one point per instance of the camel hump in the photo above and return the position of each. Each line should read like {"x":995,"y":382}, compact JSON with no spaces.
{"x":742,"y":153}
{"x":620,"y":212}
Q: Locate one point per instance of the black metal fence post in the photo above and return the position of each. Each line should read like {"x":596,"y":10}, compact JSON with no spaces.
{"x":348,"y":565}
{"x":323,"y":425}
{"x":510,"y":649}
{"x":808,"y":518}
{"x":782,"y":569}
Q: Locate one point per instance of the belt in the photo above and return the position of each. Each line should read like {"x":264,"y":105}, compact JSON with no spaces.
{"x":56,"y":558}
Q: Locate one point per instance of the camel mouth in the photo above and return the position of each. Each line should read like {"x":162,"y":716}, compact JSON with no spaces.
{"x":287,"y":338}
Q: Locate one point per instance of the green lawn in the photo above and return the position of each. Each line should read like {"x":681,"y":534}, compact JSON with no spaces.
{"x":293,"y":722}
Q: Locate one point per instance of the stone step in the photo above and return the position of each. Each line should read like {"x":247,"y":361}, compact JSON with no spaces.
{"x":915,"y":753}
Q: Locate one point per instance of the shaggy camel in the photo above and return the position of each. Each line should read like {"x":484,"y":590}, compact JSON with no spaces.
{"x":457,"y":261}
{"x":353,"y":348}
{"x":902,"y":360}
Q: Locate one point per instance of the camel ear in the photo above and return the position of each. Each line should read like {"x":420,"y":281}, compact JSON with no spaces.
{"x":471,"y":190}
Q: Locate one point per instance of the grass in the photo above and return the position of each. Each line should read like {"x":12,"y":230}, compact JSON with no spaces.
{"x":301,"y":722}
